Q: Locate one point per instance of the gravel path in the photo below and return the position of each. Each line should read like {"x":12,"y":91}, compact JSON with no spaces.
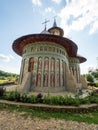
{"x":15,"y":121}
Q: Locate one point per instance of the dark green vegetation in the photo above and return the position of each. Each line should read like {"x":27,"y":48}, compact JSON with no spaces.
{"x":92,"y":77}
{"x":48,"y":99}
{"x":90,"y":117}
{"x":6,"y":77}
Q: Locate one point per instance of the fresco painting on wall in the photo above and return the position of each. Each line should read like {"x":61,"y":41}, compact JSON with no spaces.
{"x":46,"y":64}
{"x":52,"y":80}
{"x":52,"y":64}
{"x":58,"y":79}
{"x":35,"y":64}
{"x":31,"y":64}
{"x":58,"y":65}
{"x":45,"y":80}
{"x":39,"y":80}
{"x":46,"y":69}
{"x":40,"y":64}
{"x":25,"y":65}
{"x":34,"y":79}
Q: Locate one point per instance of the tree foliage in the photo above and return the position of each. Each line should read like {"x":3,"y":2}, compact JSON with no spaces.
{"x":7,"y":74}
{"x":95,"y":74}
{"x":90,"y":78}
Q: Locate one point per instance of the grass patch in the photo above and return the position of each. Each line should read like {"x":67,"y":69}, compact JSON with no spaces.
{"x":3,"y":81}
{"x":90,"y":117}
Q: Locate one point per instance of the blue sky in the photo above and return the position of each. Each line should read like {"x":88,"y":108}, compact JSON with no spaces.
{"x":78,"y":18}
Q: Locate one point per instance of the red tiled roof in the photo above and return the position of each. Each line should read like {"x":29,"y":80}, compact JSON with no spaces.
{"x":70,"y":46}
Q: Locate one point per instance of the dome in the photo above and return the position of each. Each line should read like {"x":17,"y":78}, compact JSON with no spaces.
{"x":45,"y":32}
{"x":55,"y":30}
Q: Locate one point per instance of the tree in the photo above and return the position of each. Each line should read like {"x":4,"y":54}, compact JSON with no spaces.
{"x":90,"y":78}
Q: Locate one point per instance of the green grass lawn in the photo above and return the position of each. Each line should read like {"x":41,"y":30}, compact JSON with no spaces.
{"x":90,"y":117}
{"x":3,"y":81}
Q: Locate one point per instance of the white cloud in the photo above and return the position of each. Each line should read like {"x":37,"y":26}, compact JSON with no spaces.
{"x":85,"y":67}
{"x":47,"y":10}
{"x":94,"y":27}
{"x":80,"y":13}
{"x":10,"y":69}
{"x":6,"y":58}
{"x":37,"y":2}
{"x":57,"y":1}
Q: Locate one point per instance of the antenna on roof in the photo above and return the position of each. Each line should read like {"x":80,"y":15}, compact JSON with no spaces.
{"x":46,"y":21}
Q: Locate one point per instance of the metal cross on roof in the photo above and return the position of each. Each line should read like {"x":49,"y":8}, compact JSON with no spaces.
{"x":46,"y":21}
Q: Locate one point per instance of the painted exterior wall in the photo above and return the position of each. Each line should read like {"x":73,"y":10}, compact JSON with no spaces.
{"x":47,"y":64}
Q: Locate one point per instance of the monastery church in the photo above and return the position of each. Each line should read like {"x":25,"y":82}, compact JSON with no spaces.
{"x":50,"y":62}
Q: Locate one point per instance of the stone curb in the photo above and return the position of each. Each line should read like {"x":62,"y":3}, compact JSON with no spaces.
{"x":53,"y":108}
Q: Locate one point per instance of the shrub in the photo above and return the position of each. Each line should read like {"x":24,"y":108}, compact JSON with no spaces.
{"x":71,"y":101}
{"x":94,"y":98}
{"x":60,"y":100}
{"x":2,"y":91}
{"x":85,"y":100}
{"x":35,"y":99}
{"x":25,"y":98}
{"x":12,"y":96}
{"x":46,"y":99}
{"x":39,"y":98}
{"x":96,"y":84}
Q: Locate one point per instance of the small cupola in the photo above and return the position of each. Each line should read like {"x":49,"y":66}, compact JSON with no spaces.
{"x":55,"y":30}
{"x":45,"y":31}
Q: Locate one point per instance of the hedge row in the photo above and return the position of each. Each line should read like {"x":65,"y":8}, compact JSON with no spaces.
{"x":48,"y":99}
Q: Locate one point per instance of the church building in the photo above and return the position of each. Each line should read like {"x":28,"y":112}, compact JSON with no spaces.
{"x":50,"y":62}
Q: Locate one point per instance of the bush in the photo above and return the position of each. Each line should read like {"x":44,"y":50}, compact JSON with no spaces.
{"x":85,"y":100}
{"x":24,"y":98}
{"x":60,"y":100}
{"x":71,"y":101}
{"x":47,"y":99}
{"x":96,"y":84}
{"x":35,"y":99}
{"x":2,"y":91}
{"x":39,"y":98}
{"x":94,"y":98}
{"x":12,"y":96}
